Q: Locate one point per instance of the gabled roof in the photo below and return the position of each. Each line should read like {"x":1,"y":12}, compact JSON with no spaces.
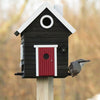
{"x":39,"y":11}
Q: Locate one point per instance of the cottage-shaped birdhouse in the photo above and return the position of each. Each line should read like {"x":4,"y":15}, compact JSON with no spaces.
{"x":44,"y":44}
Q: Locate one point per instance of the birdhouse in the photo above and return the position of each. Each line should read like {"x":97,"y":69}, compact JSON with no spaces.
{"x":44,"y":44}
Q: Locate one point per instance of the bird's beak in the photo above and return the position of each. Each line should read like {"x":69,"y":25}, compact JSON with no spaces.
{"x":85,"y":61}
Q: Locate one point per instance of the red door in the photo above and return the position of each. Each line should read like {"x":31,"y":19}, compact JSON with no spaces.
{"x":46,"y":61}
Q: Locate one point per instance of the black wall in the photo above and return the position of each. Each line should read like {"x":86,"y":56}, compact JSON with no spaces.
{"x":35,"y":34}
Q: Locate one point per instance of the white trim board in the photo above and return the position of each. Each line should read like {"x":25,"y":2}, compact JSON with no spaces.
{"x":37,"y":62}
{"x":55,"y":57}
{"x":40,"y":46}
{"x":39,"y":11}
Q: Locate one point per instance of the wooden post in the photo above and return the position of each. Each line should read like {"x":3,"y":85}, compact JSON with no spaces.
{"x":45,"y":88}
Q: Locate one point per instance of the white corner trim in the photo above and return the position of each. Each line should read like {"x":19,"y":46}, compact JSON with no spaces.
{"x":43,"y":46}
{"x":21,"y":52}
{"x":51,"y":19}
{"x":41,"y":8}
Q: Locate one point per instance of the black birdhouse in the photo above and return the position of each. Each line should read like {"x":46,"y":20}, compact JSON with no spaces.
{"x":44,"y":44}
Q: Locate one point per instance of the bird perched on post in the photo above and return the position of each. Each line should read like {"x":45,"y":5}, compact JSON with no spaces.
{"x":76,"y":66}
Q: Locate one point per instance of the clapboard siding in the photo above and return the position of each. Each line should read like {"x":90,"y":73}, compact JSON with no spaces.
{"x":62,"y":73}
{"x":29,"y":74}
{"x":47,"y":35}
{"x":45,"y":40}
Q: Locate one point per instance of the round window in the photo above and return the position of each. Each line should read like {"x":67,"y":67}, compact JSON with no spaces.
{"x":46,"y":21}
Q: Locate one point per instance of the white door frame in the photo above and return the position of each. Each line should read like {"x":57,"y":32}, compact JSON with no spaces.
{"x":37,"y":57}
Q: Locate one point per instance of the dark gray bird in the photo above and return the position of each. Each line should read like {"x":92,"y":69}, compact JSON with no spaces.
{"x":76,"y":66}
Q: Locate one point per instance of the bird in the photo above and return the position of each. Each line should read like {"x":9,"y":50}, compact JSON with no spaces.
{"x":76,"y":66}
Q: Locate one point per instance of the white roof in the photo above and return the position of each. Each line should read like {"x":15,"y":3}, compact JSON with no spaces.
{"x":39,"y":11}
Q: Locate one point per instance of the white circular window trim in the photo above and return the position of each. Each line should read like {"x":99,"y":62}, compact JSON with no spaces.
{"x":51,"y":19}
